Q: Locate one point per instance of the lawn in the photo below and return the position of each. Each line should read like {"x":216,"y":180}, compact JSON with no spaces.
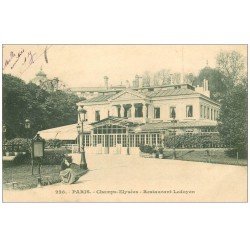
{"x":217,"y":155}
{"x":21,"y":174}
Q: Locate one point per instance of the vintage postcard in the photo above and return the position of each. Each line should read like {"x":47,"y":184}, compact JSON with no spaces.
{"x":124,"y":123}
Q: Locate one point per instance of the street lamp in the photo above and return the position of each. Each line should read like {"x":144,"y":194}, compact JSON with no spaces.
{"x":78,"y":137}
{"x":4,"y":132}
{"x":27,"y":123}
{"x":82,"y":118}
{"x":27,"y":126}
{"x":174,"y":122}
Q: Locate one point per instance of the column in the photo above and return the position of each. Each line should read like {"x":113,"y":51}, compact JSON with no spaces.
{"x":122,"y":111}
{"x":117,"y":110}
{"x":144,"y":111}
{"x":133,"y":111}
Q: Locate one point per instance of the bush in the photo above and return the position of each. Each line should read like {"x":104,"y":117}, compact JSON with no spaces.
{"x":53,"y":143}
{"x":160,"y":150}
{"x":22,"y":159}
{"x":242,"y":154}
{"x":18,"y":145}
{"x":146,"y":149}
{"x":54,"y":157}
{"x":194,"y":141}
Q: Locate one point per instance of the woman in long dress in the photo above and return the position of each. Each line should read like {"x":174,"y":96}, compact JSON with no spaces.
{"x":67,"y":174}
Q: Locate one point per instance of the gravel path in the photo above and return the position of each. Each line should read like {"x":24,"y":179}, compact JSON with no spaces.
{"x":121,"y":178}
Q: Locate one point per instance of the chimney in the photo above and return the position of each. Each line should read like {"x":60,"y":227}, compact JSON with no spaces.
{"x":136,"y":81}
{"x":106,"y":82}
{"x":204,"y":84}
{"x":207,"y":84}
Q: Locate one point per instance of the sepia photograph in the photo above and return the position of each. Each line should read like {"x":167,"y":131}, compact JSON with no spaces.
{"x":124,"y":123}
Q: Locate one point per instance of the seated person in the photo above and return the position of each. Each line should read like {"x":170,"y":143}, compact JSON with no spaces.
{"x":68,"y":175}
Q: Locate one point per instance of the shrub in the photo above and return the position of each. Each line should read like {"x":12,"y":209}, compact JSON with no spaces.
{"x":194,"y":141}
{"x":22,"y":159}
{"x":146,"y":149}
{"x":18,"y":145}
{"x":54,"y":157}
{"x":53,"y":143}
{"x":242,"y":154}
{"x":160,"y":150}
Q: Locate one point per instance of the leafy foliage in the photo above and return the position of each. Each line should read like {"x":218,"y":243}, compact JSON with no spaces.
{"x":53,"y":143}
{"x":193,"y":141}
{"x":146,"y":149}
{"x":28,"y":101}
{"x":233,"y":119}
{"x":231,"y":64}
{"x":54,"y":157}
{"x":217,"y":85}
{"x":18,"y":144}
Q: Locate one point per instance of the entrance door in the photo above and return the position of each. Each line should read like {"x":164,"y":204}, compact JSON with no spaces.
{"x":106,"y":144}
{"x":119,"y":144}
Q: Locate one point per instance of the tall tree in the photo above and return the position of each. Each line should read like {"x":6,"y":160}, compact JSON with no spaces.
{"x":231,"y":64}
{"x":146,"y":79}
{"x":28,"y":101}
{"x":216,"y":85}
{"x":233,"y":118}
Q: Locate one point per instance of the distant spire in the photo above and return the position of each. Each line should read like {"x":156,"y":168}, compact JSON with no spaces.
{"x":207,"y":64}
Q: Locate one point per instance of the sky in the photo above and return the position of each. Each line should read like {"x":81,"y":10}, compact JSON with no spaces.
{"x":86,"y":65}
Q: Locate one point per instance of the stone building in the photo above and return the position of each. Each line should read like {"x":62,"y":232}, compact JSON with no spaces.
{"x":44,"y":82}
{"x":119,"y":120}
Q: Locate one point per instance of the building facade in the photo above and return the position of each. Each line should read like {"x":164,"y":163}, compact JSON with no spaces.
{"x":118,"y":122}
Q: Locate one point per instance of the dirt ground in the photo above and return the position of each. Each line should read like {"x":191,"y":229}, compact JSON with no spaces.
{"x":121,"y":178}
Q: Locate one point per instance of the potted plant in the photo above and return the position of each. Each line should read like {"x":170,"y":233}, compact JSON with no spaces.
{"x":145,"y":151}
{"x":154,"y":153}
{"x":160,"y":152}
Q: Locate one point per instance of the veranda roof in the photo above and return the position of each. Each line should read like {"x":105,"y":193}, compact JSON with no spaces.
{"x":64,"y":133}
{"x":113,"y":120}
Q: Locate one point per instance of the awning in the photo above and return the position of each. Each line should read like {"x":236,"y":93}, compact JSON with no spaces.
{"x":113,"y":120}
{"x":64,"y":133}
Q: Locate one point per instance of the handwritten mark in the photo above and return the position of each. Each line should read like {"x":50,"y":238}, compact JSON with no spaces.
{"x":14,"y":58}
{"x":45,"y":55}
{"x":25,"y":58}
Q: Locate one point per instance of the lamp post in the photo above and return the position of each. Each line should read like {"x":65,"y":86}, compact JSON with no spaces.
{"x":82,"y":118}
{"x":27,"y":125}
{"x":78,"y":137}
{"x":174,"y":122}
{"x":4,"y":132}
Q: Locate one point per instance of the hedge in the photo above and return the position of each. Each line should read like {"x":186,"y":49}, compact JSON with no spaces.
{"x":54,"y":157}
{"x":18,"y":145}
{"x":194,"y":141}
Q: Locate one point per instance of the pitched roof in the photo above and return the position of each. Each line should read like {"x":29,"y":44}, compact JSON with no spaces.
{"x":170,"y":92}
{"x":123,"y":121}
{"x":131,"y":92}
{"x":99,"y":98}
